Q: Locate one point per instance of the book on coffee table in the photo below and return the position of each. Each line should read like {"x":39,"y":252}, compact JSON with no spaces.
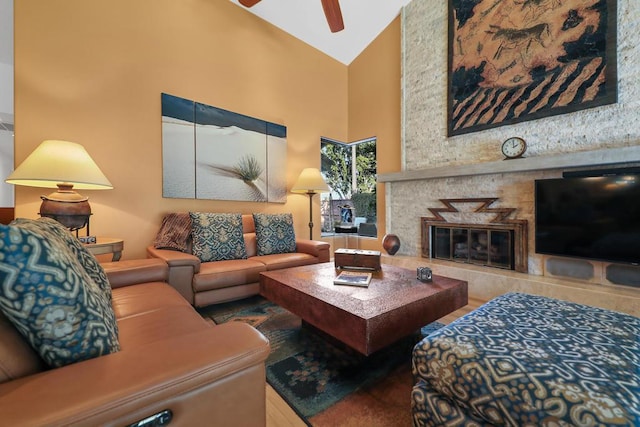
{"x":353,"y":278}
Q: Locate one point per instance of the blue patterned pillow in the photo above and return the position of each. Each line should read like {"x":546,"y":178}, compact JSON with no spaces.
{"x":274,"y":233}
{"x":51,"y":300}
{"x":54,"y":230}
{"x":217,"y":236}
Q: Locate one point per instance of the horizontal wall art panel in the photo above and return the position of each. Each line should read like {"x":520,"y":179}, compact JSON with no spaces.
{"x":211,"y":153}
{"x":512,"y":61}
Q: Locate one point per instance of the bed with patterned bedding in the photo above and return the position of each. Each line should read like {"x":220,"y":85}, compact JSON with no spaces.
{"x":525,"y":360}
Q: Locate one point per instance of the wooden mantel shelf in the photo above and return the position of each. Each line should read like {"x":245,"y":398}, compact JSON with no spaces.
{"x":581,"y":159}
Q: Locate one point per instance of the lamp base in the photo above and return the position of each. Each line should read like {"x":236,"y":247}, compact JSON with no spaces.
{"x":67,"y":207}
{"x":72,"y":222}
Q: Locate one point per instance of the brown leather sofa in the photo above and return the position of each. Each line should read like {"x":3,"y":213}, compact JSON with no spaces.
{"x":205,"y":283}
{"x":170,"y":359}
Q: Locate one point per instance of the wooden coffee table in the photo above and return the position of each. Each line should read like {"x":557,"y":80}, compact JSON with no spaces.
{"x":394,"y":305}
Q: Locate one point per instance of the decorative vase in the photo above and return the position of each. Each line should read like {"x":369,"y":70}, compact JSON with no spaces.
{"x":391,"y":243}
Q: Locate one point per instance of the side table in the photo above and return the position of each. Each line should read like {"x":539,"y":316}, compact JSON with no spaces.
{"x":106,"y":245}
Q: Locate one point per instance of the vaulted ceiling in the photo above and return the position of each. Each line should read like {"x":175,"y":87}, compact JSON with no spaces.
{"x":363,"y":21}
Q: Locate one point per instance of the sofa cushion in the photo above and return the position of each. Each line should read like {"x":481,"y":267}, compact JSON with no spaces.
{"x":54,"y":230}
{"x":223,"y":274}
{"x":174,"y":232}
{"x":17,"y":358}
{"x":135,"y":271}
{"x":51,"y":299}
{"x":217,"y":236}
{"x":248,"y":225}
{"x":251,"y":244}
{"x":274,"y":233}
{"x":249,"y":230}
{"x":129,"y":301}
{"x":158,"y":325}
{"x":279,"y":261}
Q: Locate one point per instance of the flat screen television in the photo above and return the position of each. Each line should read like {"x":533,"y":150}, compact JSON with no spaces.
{"x":589,"y":217}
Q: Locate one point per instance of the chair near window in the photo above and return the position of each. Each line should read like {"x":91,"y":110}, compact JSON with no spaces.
{"x":368,"y":229}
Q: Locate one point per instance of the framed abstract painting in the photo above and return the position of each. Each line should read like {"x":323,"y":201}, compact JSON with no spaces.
{"x":516,"y":60}
{"x":211,"y":153}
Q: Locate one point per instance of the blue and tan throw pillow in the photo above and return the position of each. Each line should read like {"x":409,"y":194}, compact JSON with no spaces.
{"x":174,"y":232}
{"x":274,"y":233}
{"x":217,"y":236}
{"x":54,"y":230}
{"x":51,"y":300}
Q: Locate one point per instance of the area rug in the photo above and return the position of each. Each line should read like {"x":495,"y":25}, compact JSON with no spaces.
{"x":324,"y":382}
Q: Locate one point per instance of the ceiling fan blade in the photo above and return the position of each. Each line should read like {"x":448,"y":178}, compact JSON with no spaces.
{"x":334,"y":15}
{"x":248,"y":3}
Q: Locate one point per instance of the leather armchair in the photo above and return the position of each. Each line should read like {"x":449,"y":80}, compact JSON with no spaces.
{"x":170,"y":359}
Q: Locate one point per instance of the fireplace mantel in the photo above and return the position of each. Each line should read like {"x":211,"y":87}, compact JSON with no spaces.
{"x":581,"y":159}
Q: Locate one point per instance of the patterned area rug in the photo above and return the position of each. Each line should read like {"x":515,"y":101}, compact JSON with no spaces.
{"x":315,"y":377}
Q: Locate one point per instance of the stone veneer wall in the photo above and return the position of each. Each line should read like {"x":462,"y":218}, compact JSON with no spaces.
{"x":425,"y":143}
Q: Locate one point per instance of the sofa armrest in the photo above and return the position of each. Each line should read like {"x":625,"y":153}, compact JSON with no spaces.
{"x":175,"y":258}
{"x":182,"y":268}
{"x":316,"y":248}
{"x":188,"y":374}
{"x":132,"y":272}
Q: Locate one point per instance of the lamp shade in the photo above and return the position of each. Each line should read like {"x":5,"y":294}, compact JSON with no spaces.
{"x":68,"y":166}
{"x":310,"y":181}
{"x":55,"y":162}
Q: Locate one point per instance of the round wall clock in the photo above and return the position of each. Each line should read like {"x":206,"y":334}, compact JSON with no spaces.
{"x":514,"y":147}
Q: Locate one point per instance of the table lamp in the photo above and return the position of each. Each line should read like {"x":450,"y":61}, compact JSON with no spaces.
{"x":310,"y":182}
{"x":67,"y":166}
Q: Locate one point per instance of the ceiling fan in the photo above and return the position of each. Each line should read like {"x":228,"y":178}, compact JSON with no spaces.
{"x":331,"y":11}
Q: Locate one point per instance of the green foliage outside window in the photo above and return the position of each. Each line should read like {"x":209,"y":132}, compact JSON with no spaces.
{"x":337,"y":167}
{"x":366,"y":167}
{"x":365,"y":205}
{"x":338,"y":163}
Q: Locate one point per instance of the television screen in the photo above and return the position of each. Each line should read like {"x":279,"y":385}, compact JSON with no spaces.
{"x":594,"y":217}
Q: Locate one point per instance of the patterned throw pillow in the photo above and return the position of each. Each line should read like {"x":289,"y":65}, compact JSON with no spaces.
{"x":54,"y":230}
{"x":174,"y":232}
{"x":217,"y":236}
{"x":274,"y":233}
{"x":51,"y":300}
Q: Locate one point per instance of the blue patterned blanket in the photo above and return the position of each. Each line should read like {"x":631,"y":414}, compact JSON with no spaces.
{"x":528,"y":360}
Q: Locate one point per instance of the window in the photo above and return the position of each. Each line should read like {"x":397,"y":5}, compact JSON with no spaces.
{"x":350,"y":171}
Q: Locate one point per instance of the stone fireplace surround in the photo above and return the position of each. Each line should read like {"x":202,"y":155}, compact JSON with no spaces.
{"x":410,"y":194}
{"x":436,"y":166}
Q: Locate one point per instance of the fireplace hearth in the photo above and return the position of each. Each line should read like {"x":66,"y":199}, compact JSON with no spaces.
{"x":499,"y":242}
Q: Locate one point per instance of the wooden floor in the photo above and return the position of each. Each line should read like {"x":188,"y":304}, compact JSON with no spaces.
{"x":279,"y":414}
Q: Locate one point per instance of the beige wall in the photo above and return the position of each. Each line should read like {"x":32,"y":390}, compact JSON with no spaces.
{"x":374,"y":108}
{"x":92,"y":72}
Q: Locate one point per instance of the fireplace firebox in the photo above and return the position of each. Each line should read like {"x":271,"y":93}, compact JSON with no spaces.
{"x":499,"y":243}
{"x":483,"y":246}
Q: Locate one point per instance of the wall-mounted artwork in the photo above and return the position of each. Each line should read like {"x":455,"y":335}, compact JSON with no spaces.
{"x":517,"y":60}
{"x":211,"y":153}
